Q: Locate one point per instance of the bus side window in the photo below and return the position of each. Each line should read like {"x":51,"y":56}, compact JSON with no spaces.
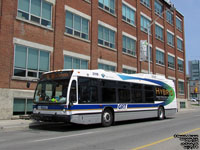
{"x":108,"y":91}
{"x":73,"y":97}
{"x":87,"y":90}
{"x":136,"y":93}
{"x":149,"y":93}
{"x":124,"y":94}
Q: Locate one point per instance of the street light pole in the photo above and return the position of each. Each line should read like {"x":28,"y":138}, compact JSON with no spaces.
{"x":148,"y":49}
{"x":148,"y":39}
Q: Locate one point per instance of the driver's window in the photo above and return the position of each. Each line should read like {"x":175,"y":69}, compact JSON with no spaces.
{"x":72,"y":96}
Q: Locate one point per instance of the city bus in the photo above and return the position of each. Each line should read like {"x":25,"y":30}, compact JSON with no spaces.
{"x":102,"y":97}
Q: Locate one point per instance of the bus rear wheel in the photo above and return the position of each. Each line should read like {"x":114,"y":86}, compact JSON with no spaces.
{"x":161,"y":113}
{"x":107,"y":118}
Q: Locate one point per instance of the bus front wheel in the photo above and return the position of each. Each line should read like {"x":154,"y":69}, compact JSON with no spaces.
{"x":107,"y":118}
{"x":161,"y":113}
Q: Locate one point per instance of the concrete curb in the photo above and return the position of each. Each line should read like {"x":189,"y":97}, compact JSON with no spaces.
{"x":22,"y":125}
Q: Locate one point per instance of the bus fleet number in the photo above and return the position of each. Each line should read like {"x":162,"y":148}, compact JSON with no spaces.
{"x":122,"y":106}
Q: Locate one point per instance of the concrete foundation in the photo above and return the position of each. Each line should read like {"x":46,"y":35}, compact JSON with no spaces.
{"x":6,"y":100}
{"x":181,"y":103}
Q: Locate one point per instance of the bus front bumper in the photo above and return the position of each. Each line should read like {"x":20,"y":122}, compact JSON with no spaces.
{"x":51,"y":118}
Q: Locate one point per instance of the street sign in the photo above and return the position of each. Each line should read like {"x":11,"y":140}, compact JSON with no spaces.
{"x":143,"y":50}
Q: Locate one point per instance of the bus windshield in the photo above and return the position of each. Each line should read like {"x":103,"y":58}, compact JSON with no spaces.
{"x":53,"y":91}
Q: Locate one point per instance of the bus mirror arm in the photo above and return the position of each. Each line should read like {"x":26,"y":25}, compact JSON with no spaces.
{"x":70,"y":104}
{"x":28,"y":84}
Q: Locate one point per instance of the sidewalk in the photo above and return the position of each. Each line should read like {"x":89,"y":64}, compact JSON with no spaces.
{"x":22,"y":124}
{"x":18,"y":124}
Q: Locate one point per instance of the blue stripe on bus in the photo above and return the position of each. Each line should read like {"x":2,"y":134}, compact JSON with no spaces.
{"x":99,"y":106}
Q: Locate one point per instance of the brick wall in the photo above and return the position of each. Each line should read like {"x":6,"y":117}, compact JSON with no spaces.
{"x":11,"y":26}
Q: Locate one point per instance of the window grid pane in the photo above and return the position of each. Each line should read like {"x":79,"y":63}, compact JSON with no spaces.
{"x":33,"y":59}
{"x":36,"y":7}
{"x":76,"y":25}
{"x":178,"y":24}
{"x":158,"y":8}
{"x":169,"y":16}
{"x":30,"y":61}
{"x":159,"y":33}
{"x":128,"y":14}
{"x":181,"y":87}
{"x":170,"y":39}
{"x":179,"y":44}
{"x":106,"y":37}
{"x":144,"y":24}
{"x":145,"y":2}
{"x":107,"y":5}
{"x":20,"y":56}
{"x":39,"y":11}
{"x":180,"y":65}
{"x":75,"y":63}
{"x":129,"y":46}
{"x":106,"y":67}
{"x":171,"y":62}
{"x":160,"y":57}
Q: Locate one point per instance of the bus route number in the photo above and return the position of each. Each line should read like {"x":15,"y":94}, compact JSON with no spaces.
{"x":122,"y":106}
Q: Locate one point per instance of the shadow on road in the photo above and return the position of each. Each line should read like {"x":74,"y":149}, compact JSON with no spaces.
{"x":62,"y":127}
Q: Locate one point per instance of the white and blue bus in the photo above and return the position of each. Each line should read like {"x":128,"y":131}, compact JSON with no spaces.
{"x":98,"y":96}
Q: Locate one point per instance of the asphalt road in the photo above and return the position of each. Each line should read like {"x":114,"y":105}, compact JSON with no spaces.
{"x":148,"y":134}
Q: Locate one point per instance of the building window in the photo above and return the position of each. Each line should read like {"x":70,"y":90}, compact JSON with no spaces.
{"x":129,"y":46}
{"x":171,"y":63}
{"x":181,"y":87}
{"x":179,"y":44}
{"x":158,"y":8}
{"x":170,"y":39}
{"x":30,"y":62}
{"x":128,"y":71}
{"x":128,"y":14}
{"x":145,"y":2}
{"x":160,"y":57}
{"x":178,"y":24}
{"x":75,"y":63}
{"x":180,"y":65}
{"x":106,"y":67}
{"x":145,"y":24}
{"x":37,"y":11}
{"x":76,"y":25}
{"x":159,"y":33}
{"x":22,"y":106}
{"x":106,"y":37}
{"x":108,"y":5}
{"x":169,"y":17}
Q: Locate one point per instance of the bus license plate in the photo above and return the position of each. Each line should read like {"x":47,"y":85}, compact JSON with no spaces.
{"x":42,"y":107}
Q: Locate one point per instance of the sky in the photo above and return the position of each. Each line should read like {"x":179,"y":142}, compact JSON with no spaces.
{"x":190,"y":9}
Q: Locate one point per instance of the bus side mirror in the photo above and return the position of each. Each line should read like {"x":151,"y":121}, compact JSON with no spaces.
{"x":70,"y":104}
{"x":28,"y":84}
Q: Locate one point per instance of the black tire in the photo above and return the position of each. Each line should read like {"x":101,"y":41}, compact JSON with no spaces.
{"x":161,"y":113}
{"x":107,"y":118}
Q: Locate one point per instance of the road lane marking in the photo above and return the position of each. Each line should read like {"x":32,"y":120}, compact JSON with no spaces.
{"x":60,"y":137}
{"x":163,"y":140}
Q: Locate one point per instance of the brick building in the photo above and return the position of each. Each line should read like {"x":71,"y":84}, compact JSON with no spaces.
{"x":43,"y":35}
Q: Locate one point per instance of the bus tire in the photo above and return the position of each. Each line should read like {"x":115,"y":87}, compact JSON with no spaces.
{"x":107,"y":118}
{"x":161,"y":113}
